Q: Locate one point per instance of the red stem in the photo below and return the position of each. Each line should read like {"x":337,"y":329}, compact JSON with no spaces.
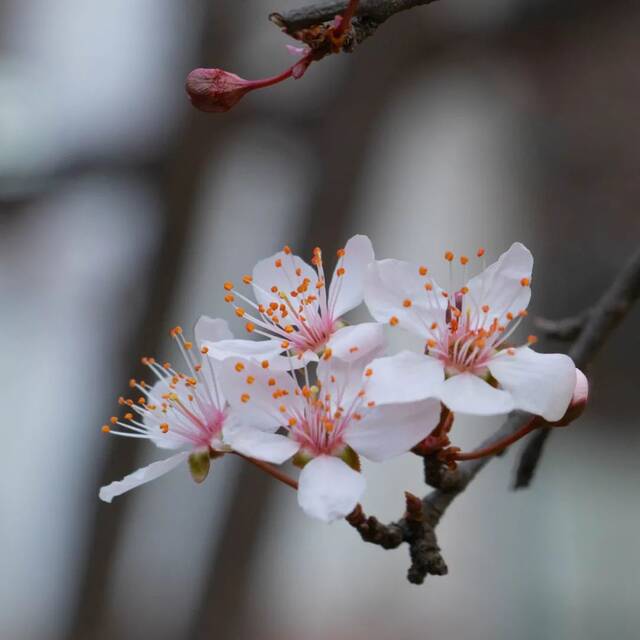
{"x":272,"y":471}
{"x":268,"y":82}
{"x":347,"y":16}
{"x":492,"y":449}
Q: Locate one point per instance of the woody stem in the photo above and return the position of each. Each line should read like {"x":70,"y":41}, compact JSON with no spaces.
{"x":492,"y":449}
{"x":272,"y":471}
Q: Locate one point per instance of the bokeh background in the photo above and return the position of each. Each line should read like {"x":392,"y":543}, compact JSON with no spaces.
{"x":461,"y":124}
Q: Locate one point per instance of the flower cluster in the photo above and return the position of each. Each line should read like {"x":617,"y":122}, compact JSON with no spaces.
{"x":324,"y":394}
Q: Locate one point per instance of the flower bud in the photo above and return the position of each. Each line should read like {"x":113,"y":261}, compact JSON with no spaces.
{"x":578,"y":401}
{"x":215,"y":90}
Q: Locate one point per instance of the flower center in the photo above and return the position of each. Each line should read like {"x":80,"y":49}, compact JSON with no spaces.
{"x":295,"y":307}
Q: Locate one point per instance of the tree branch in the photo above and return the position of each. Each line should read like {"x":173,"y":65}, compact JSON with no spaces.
{"x":598,"y":323}
{"x":369,"y":15}
{"x":417,"y":527}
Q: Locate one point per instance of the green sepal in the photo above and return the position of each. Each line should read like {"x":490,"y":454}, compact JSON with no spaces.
{"x":351,"y":458}
{"x":199,"y":465}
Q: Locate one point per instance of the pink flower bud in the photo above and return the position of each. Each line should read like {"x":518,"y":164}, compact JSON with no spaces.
{"x":215,"y":90}
{"x":578,"y":401}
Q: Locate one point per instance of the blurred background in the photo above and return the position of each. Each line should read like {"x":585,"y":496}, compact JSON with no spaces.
{"x":122,"y":210}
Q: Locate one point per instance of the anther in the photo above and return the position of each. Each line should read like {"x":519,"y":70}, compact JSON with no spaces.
{"x":340,"y":272}
{"x":525,"y":282}
{"x":286,"y":249}
{"x":128,"y":416}
{"x":113,"y":420}
{"x":278,"y":263}
{"x":431,"y":343}
{"x":371,"y":404}
{"x":292,"y":422}
{"x":228,"y":285}
{"x":164,"y":427}
{"x":105,"y":428}
{"x":428,"y":286}
{"x":250,"y":327}
{"x":485,"y":308}
{"x":368,"y":373}
{"x":245,"y":397}
{"x":265,"y":364}
{"x":393,"y":321}
{"x":464,"y":260}
{"x":480,"y":252}
{"x":448,"y":256}
{"x":188,"y":345}
{"x":250,"y":379}
{"x":406,"y":303}
{"x":532,"y":339}
{"x":327,"y":354}
{"x":285,"y":344}
{"x":239,"y":312}
{"x":423,"y":271}
{"x":239,"y":367}
{"x":204,"y":350}
{"x":340,"y":253}
{"x":272,"y":382}
{"x":132,"y":383}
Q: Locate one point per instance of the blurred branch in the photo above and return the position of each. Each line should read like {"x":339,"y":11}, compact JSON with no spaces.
{"x":597,"y":325}
{"x":566,"y":329}
{"x":369,"y":15}
{"x":417,"y":527}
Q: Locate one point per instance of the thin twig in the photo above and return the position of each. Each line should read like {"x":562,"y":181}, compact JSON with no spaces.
{"x":566,"y":329}
{"x":369,"y":15}
{"x":601,"y":320}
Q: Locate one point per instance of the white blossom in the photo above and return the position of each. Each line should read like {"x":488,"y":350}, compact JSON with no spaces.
{"x":326,"y":425}
{"x":468,"y":363}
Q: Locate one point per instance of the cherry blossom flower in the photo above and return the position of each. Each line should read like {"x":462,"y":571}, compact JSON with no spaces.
{"x":468,"y":363}
{"x":327,"y":424}
{"x":293,"y":308}
{"x":186,"y":412}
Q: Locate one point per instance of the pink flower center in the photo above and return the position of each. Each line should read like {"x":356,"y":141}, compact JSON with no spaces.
{"x":300,"y":314}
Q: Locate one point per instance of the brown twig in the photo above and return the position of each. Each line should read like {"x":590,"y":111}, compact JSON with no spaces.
{"x":369,"y":15}
{"x":599,"y":322}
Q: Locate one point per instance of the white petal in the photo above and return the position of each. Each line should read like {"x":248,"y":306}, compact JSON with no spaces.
{"x":467,"y":393}
{"x":541,"y":383}
{"x":390,"y":283}
{"x":211,"y":330}
{"x":142,"y":476}
{"x":404,"y":377}
{"x":262,"y":445}
{"x":389,"y":430}
{"x":258,"y":350}
{"x":347,"y":291}
{"x":266,"y":275}
{"x":329,"y":489}
{"x":365,"y":340}
{"x":500,"y":285}
{"x":246,"y":385}
{"x":341,"y":374}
